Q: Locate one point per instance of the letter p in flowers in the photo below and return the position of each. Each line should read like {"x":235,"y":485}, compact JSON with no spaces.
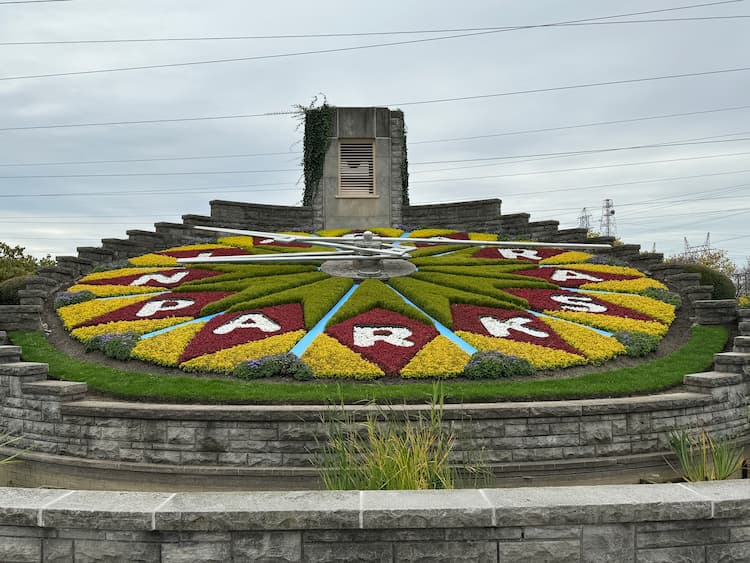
{"x":368,"y":336}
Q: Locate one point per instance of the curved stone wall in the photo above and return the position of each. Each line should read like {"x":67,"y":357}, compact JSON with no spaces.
{"x":675,"y":522}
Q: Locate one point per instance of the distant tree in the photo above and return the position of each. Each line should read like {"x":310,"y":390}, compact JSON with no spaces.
{"x":15,"y":262}
{"x":714,"y":258}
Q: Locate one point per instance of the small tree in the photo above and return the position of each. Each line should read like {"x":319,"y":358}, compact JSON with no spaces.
{"x":15,"y":262}
{"x":716,"y":259}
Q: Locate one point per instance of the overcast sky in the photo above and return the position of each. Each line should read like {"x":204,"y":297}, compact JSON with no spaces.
{"x":56,"y":201}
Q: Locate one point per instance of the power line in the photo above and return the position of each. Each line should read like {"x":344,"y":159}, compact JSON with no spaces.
{"x":343,"y":49}
{"x":32,"y":1}
{"x":581,"y":125}
{"x":163,"y":191}
{"x":128,"y":174}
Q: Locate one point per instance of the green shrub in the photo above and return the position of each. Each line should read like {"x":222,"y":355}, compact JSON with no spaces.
{"x":637,"y":344}
{"x":493,"y":365}
{"x":663,"y":295}
{"x":277,"y":365}
{"x":705,"y":459}
{"x":117,"y":346}
{"x":9,"y":289}
{"x":723,"y":286}
{"x":72,"y":297}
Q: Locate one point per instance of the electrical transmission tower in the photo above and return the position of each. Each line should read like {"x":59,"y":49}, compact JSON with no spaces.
{"x":607,"y":225}
{"x":584,"y":220}
{"x":698,"y":249}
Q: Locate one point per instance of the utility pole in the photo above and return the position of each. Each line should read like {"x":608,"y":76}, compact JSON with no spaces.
{"x":607,"y":225}
{"x":584,"y":220}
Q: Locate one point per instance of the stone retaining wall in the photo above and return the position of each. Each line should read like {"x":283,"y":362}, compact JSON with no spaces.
{"x":481,"y":215}
{"x":696,"y":522}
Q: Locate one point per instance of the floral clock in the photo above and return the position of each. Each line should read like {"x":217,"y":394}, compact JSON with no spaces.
{"x":533,"y":308}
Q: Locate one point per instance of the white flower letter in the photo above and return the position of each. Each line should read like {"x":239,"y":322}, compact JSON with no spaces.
{"x":251,"y":320}
{"x":367,"y":336}
{"x":501,"y":329}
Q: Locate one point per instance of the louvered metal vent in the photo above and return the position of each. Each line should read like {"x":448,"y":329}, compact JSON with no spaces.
{"x":357,"y":168}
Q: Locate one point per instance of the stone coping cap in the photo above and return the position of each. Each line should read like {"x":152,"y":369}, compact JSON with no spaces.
{"x":155,"y":511}
{"x":54,"y":387}
{"x":451,"y":411}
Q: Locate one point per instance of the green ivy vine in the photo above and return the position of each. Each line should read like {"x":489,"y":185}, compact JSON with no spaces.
{"x":404,"y":170}
{"x":317,"y":139}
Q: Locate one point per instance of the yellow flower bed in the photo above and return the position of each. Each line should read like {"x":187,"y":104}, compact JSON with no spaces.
{"x":428,"y":233}
{"x":206,"y":246}
{"x":539,"y":356}
{"x":482,"y":236}
{"x":439,"y":358}
{"x":659,"y":310}
{"x":327,"y":357}
{"x":166,"y":348}
{"x":237,"y":241}
{"x":73,"y":315}
{"x":607,"y":269}
{"x":386,"y":231}
{"x":570,"y":257}
{"x":610,"y":323}
{"x":153,"y":260}
{"x":326,"y":233}
{"x":119,"y":273}
{"x":115,"y":290}
{"x":86,"y":333}
{"x":596,"y":347}
{"x":625,"y":286}
{"x":224,"y":361}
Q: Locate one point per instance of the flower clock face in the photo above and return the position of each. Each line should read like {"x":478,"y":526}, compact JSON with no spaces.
{"x":540,"y":309}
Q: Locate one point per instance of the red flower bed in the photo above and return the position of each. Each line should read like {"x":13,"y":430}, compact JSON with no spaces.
{"x":161,"y":307}
{"x":165,"y":278}
{"x":527,"y":328}
{"x":570,"y":277}
{"x":454,"y":236}
{"x":524,"y":254}
{"x":382,"y":337}
{"x":542,"y":300}
{"x":232,"y":329}
{"x":209,"y":252}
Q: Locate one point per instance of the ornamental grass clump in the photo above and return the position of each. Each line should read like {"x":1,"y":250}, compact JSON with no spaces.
{"x":117,"y":346}
{"x":277,"y":365}
{"x":705,"y":459}
{"x":387,"y":452}
{"x":637,"y":344}
{"x":493,"y":365}
{"x":72,"y":297}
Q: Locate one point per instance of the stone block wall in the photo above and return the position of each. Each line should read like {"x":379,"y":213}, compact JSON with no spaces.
{"x":696,"y":522}
{"x":481,"y":216}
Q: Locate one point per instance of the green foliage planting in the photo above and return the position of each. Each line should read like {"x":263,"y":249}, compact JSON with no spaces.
{"x":723,"y":286}
{"x":317,"y":298}
{"x":436,"y":299}
{"x":705,"y":459}
{"x":277,"y":365}
{"x":9,"y":289}
{"x":663,"y":295}
{"x":72,"y":297}
{"x":482,"y":271}
{"x":375,"y":294}
{"x":487,"y":286}
{"x":637,"y":344}
{"x":494,"y":365}
{"x":255,"y":288}
{"x":317,"y":139}
{"x":117,"y":346}
{"x":385,"y":452}
{"x":695,"y":356}
{"x":426,"y":251}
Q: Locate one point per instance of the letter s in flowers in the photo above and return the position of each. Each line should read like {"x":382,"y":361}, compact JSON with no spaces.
{"x":153,"y":307}
{"x":578,"y":304}
{"x":367,"y":336}
{"x":565,"y":275}
{"x":501,"y":329}
{"x":161,"y":278}
{"x":251,"y":320}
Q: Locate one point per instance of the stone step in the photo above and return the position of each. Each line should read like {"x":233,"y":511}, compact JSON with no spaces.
{"x":35,"y":371}
{"x":743,"y":314}
{"x":744,"y":328}
{"x":10,"y":354}
{"x":732,"y":362}
{"x":742,"y":344}
{"x":3,"y":338}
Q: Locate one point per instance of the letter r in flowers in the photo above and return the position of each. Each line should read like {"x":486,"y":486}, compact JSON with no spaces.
{"x":251,"y":320}
{"x":578,"y":303}
{"x":161,"y":278}
{"x":513,"y":253}
{"x":368,"y":336}
{"x":501,"y":329}
{"x":565,"y":275}
{"x":153,"y":307}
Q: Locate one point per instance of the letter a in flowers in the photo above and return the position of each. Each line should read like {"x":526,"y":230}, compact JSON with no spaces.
{"x":368,"y":336}
{"x":501,"y":329}
{"x":153,"y":307}
{"x":161,"y":279}
{"x":514,"y":253}
{"x":565,"y":275}
{"x":578,"y":303}
{"x":251,"y":320}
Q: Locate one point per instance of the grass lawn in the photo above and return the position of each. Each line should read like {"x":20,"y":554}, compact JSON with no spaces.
{"x":694,"y":356}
